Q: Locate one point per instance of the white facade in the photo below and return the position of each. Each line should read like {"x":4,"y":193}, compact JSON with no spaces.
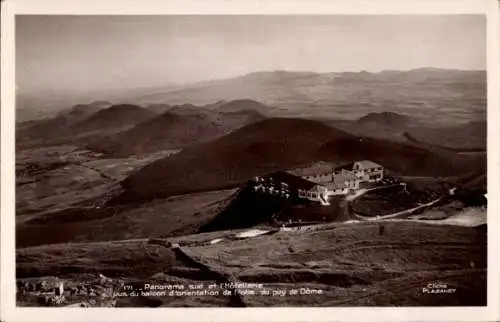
{"x":318,"y":184}
{"x":368,"y":171}
{"x":318,"y":194}
{"x":343,"y":182}
{"x":335,"y":191}
{"x":346,"y":180}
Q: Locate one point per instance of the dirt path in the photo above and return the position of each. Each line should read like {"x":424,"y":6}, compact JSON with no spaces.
{"x":349,"y":215}
{"x":361,"y":192}
{"x":406,"y":211}
{"x":358,"y":194}
{"x":399,"y":213}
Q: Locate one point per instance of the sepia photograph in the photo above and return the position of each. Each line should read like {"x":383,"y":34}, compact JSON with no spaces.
{"x":251,"y":160}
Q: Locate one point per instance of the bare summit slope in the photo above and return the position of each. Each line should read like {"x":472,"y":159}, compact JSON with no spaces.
{"x":271,"y":145}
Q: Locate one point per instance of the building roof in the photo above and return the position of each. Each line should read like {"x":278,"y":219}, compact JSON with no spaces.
{"x":335,"y":185}
{"x":317,"y":168}
{"x":364,"y":164}
{"x":292,"y":180}
{"x":347,"y":166}
{"x":367,"y":164}
{"x":344,"y":176}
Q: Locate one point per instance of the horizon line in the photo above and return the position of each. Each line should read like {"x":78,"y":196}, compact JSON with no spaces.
{"x":18,"y":89}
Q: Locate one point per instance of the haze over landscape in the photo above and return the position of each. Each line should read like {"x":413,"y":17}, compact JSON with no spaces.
{"x":342,"y":155}
{"x":63,"y":59}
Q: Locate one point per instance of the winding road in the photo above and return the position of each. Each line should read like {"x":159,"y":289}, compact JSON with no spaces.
{"x":361,"y":192}
{"x":395,"y":214}
{"x":399,"y":213}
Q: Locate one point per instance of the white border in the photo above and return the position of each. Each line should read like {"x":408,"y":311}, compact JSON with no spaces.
{"x":9,"y":313}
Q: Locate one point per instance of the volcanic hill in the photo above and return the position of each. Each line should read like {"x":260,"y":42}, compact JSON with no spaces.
{"x":278,"y":144}
{"x":158,"y":108}
{"x":167,"y":131}
{"x":60,"y":125}
{"x":242,"y":105}
{"x":115,"y":116}
{"x":178,"y":127}
{"x":84,"y":118}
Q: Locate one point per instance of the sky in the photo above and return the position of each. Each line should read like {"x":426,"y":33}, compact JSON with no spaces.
{"x":85,"y":53}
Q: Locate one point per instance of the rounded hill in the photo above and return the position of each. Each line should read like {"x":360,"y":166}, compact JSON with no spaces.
{"x":278,"y":144}
{"x":166,"y":131}
{"x":241,"y":105}
{"x":115,"y":116}
{"x":179,"y":127}
{"x":256,"y":149}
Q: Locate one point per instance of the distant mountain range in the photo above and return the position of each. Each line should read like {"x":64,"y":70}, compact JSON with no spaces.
{"x":451,"y":95}
{"x":429,"y":94}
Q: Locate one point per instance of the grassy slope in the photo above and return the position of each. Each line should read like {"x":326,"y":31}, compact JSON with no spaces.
{"x":355,"y":266}
{"x":468,"y":137}
{"x":132,"y":259}
{"x":174,"y":216}
{"x":351,"y":263}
